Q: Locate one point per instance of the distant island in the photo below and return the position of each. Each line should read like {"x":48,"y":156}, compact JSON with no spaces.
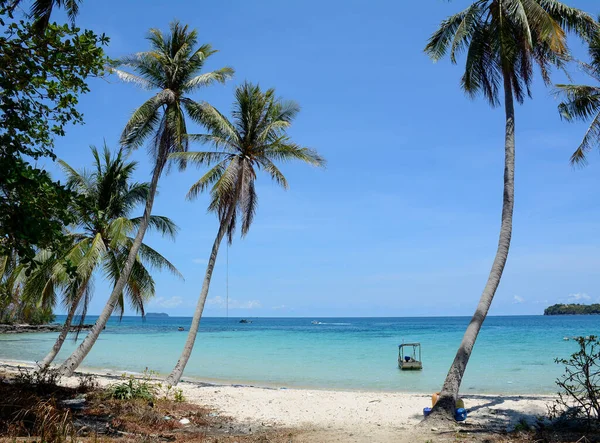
{"x":156,"y":314}
{"x":572,"y":309}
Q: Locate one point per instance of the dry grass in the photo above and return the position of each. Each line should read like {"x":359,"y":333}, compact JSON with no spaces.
{"x":34,"y":410}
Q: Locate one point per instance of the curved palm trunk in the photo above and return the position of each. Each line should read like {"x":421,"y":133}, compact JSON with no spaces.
{"x":444,"y":408}
{"x":73,"y":362}
{"x":66,"y":328}
{"x":177,"y":372}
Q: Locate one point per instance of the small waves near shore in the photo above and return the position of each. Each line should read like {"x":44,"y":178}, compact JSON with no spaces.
{"x":513,"y":355}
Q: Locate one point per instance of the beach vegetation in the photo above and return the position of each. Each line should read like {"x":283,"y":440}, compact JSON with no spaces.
{"x":254,"y":139}
{"x":100,"y":239}
{"x":579,"y":385}
{"x":41,"y":11}
{"x":172,"y":68}
{"x":41,"y":82}
{"x":34,"y":406}
{"x":14,"y":308}
{"x":132,"y":388}
{"x":503,"y":42}
{"x":582,"y":103}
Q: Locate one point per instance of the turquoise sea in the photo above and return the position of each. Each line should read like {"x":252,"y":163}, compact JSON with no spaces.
{"x":512,"y":355}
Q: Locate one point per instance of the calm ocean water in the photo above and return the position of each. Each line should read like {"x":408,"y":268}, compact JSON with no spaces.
{"x":512,"y":355}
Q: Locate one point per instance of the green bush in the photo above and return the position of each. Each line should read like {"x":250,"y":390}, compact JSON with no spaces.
{"x":579,"y":395}
{"x":132,"y":388}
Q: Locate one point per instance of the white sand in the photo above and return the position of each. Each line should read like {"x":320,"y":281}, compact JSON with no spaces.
{"x":346,"y":415}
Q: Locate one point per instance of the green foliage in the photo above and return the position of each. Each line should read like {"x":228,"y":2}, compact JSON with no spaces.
{"x":133,"y":388}
{"x":504,"y":41}
{"x":101,"y":238}
{"x":255,"y":139}
{"x":172,"y":67}
{"x":14,"y":308}
{"x":43,"y":381}
{"x":579,"y":395}
{"x":41,"y":80}
{"x":582,"y":103}
{"x":522,"y":426}
{"x":572,"y":309}
{"x":172,"y":393}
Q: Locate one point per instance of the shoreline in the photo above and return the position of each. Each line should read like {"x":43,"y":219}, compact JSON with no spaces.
{"x":207,"y":381}
{"x":335,"y":415}
{"x":23,"y":328}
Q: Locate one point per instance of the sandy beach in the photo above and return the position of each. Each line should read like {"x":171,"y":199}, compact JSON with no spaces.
{"x":348,"y":416}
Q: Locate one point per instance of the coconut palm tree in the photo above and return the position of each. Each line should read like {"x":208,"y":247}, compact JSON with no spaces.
{"x":172,"y":67}
{"x":582,"y":102}
{"x":102,"y":239}
{"x":255,"y":139}
{"x":504,"y":41}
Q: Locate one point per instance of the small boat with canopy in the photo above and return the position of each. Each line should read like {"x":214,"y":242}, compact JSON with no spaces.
{"x":409,"y":356}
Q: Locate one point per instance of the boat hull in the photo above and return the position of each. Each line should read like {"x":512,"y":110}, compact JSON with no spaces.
{"x":410,"y":366}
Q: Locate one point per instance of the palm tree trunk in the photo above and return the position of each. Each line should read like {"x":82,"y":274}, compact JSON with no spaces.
{"x":73,"y":362}
{"x":444,"y":408}
{"x":177,"y":372}
{"x":66,"y":327}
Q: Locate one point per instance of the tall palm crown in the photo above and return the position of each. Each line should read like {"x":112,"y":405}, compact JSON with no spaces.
{"x":256,"y":139}
{"x":173,"y":68}
{"x":503,"y":41}
{"x":103,"y":236}
{"x":506,"y":38}
{"x":582,"y":102}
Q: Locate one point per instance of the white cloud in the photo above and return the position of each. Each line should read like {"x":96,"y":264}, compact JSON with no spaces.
{"x":221,"y":302}
{"x":200,"y":261}
{"x":578,"y":297}
{"x":276,"y":308}
{"x":517,"y":299}
{"x":171,"y":302}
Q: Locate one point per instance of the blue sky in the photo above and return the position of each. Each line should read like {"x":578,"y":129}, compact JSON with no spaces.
{"x":404,"y":220}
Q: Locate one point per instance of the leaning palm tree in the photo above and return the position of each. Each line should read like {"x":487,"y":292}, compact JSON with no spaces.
{"x":256,"y":139}
{"x":582,"y":102}
{"x":173,"y":68}
{"x":101,"y":240}
{"x":504,"y":41}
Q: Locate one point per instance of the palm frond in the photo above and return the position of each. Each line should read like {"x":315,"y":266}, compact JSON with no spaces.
{"x":164,"y":225}
{"x":209,"y":78}
{"x":285,"y":151}
{"x":143,"y":122}
{"x":128,"y":77}
{"x":453,"y":32}
{"x":201,"y":158}
{"x":157,"y":261}
{"x":215,"y":122}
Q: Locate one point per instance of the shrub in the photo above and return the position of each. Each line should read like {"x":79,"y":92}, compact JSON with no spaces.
{"x":87,"y":382}
{"x":132,"y":388}
{"x":579,"y":395}
{"x":42,"y":381}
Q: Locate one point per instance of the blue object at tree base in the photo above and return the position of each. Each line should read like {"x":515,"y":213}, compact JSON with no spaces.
{"x":460,"y":414}
{"x":426,"y":411}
